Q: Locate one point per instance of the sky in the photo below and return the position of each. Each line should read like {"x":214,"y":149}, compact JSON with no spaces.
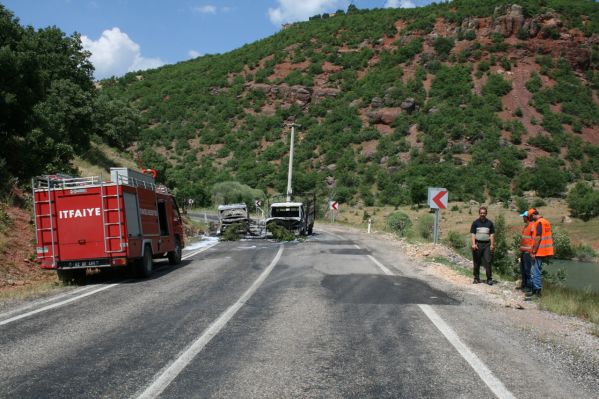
{"x":131,"y":35}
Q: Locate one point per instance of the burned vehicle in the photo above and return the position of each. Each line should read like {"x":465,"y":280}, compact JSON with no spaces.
{"x":295,"y":216}
{"x":233,"y":215}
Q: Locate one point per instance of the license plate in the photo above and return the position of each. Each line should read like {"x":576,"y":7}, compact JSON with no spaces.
{"x":83,"y":263}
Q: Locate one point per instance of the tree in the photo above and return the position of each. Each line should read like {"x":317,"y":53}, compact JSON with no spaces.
{"x":583,"y":201}
{"x":548,"y":179}
{"x":114,"y":121}
{"x":230,"y":192}
{"x":48,"y":107}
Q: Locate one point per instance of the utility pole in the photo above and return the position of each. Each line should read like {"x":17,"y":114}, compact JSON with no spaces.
{"x":290,"y":173}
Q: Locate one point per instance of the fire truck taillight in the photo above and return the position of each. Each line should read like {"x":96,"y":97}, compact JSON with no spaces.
{"x":118,"y":262}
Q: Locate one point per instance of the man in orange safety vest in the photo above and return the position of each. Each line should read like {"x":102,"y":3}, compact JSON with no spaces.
{"x":526,"y":243}
{"x":542,"y":249}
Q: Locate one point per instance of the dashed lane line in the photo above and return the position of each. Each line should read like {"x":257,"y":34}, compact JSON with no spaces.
{"x":170,"y":372}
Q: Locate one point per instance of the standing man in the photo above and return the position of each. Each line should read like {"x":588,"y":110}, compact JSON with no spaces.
{"x":526,"y":242}
{"x":482,"y":237}
{"x":542,"y":249}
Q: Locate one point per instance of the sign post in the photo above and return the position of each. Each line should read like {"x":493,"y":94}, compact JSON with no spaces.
{"x":333,"y":207}
{"x":258,"y":204}
{"x":437,"y":199}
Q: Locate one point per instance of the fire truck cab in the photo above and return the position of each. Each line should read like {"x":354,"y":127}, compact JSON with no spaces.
{"x":86,"y":223}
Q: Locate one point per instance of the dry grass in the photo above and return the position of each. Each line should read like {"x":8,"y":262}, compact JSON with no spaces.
{"x":99,"y":159}
{"x":460,"y":220}
{"x":564,"y":301}
{"x":32,"y":290}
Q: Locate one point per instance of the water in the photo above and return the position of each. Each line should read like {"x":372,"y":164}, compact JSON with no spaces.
{"x":579,"y":275}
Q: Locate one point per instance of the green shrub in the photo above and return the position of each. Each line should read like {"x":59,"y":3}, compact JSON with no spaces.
{"x":534,"y":84}
{"x":469,"y":35}
{"x":522,"y":204}
{"x":424,"y":226}
{"x":5,"y":219}
{"x":562,"y":245}
{"x":555,"y":279}
{"x":584,"y":252}
{"x":497,"y":85}
{"x":443,"y":46}
{"x":483,"y":66}
{"x":231,"y":233}
{"x":550,"y":32}
{"x":522,"y":34}
{"x":544,"y":143}
{"x":502,"y":261}
{"x":399,"y":223}
{"x":280,"y":233}
{"x":538,"y":202}
{"x":455,"y":240}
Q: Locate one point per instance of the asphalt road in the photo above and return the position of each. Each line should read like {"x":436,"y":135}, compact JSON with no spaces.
{"x":339,"y":315}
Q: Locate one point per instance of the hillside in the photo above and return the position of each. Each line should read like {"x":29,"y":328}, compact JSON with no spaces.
{"x":484,"y":98}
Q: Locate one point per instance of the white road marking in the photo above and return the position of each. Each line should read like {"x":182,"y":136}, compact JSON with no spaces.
{"x":357,"y":246}
{"x":380,"y":265}
{"x":477,"y":365}
{"x":50,"y":299}
{"x":55,"y":305}
{"x":169,"y":373}
{"x":198,"y":251}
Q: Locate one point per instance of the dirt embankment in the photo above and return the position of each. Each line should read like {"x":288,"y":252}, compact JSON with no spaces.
{"x":18,"y":267}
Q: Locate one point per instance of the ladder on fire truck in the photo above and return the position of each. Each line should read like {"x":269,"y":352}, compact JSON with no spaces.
{"x":107,"y":210}
{"x":41,"y":183}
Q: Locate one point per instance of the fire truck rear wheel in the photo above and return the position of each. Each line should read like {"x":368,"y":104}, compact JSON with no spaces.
{"x":147,"y":263}
{"x":65,"y":276}
{"x":174,"y":257}
{"x":80,"y":276}
{"x":76,"y":276}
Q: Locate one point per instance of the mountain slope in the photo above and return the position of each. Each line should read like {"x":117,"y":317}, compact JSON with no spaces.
{"x":483,"y":98}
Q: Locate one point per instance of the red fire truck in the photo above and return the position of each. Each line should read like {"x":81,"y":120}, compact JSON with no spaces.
{"x":86,"y":223}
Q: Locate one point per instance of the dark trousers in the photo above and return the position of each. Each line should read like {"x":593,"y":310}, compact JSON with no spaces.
{"x":525,"y":266}
{"x":482,"y":256}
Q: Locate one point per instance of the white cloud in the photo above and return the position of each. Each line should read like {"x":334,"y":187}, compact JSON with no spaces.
{"x":194,"y":54}
{"x":399,"y":4}
{"x":294,"y":10}
{"x":114,"y":53}
{"x":205,"y":9}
